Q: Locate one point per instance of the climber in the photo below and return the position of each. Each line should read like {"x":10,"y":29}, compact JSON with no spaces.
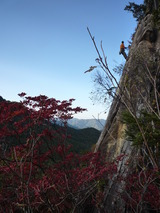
{"x":122,"y":50}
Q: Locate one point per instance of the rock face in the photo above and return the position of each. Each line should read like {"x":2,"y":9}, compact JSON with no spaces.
{"x":145,"y":48}
{"x":133,"y":93}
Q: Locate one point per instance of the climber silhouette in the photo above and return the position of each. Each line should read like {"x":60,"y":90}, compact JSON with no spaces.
{"x":122,"y":50}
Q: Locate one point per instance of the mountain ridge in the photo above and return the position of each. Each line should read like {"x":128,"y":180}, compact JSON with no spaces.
{"x":77,"y":123}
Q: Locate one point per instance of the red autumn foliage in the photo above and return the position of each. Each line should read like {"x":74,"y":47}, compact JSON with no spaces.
{"x":38,"y":172}
{"x":142,"y":191}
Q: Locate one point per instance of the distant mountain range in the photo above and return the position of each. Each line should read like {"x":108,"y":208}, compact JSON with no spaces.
{"x":86,"y":123}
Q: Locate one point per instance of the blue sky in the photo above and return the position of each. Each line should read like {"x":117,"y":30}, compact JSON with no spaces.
{"x":45,"y":47}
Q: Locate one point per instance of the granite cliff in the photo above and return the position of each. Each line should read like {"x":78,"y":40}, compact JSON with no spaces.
{"x":137,"y":90}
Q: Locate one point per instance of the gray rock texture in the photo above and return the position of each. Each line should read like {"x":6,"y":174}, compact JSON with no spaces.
{"x":133,"y":93}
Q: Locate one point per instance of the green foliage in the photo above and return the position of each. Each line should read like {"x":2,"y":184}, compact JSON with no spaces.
{"x":150,"y":125}
{"x":82,"y":139}
{"x":156,"y":17}
{"x":138,"y":11}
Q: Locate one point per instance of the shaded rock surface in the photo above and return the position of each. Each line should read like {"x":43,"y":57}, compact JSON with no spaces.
{"x":133,"y":94}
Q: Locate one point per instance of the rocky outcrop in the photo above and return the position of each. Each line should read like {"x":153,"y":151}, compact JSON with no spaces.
{"x":133,"y":92}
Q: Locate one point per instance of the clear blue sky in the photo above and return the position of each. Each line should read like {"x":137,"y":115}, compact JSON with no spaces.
{"x":45,"y":47}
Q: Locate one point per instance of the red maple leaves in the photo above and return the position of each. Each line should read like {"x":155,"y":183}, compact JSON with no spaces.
{"x":38,"y":171}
